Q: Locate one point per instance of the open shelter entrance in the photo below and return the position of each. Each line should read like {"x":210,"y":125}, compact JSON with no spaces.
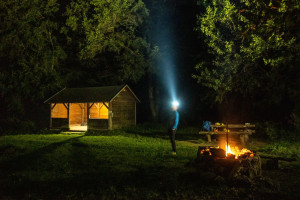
{"x":78,"y":116}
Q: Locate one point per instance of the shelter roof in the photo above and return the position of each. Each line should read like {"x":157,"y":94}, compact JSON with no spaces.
{"x":88,"y":94}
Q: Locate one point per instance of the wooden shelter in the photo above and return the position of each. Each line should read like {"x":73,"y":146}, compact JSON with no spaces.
{"x":93,"y":108}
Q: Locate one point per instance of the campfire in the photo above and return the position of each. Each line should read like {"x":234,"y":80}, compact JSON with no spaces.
{"x":229,"y":153}
{"x":230,"y":162}
{"x":238,"y":153}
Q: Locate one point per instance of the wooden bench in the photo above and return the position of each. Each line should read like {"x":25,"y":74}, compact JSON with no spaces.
{"x":243,"y":130}
{"x":272,"y":162}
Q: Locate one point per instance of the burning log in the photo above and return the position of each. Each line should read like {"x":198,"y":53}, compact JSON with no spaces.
{"x":210,"y":150}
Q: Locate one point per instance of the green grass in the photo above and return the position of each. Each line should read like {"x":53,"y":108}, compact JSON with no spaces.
{"x":132,"y":164}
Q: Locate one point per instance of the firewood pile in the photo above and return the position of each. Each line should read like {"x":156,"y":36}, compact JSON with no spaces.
{"x":229,"y":166}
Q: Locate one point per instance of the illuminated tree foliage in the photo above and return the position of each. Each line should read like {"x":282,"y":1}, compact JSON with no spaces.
{"x":252,"y":44}
{"x":253,"y":50}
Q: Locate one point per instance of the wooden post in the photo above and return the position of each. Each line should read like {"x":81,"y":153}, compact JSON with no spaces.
{"x":242,"y":138}
{"x":88,"y":116}
{"x":51,"y":108}
{"x":50,"y":115}
{"x":68,"y":115}
{"x":110,"y":116}
{"x":246,"y":138}
{"x":208,"y":137}
{"x":67,"y":106}
{"x":82,"y":114}
{"x":226,"y":136}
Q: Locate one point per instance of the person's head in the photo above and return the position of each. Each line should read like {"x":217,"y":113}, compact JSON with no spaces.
{"x":175,"y":105}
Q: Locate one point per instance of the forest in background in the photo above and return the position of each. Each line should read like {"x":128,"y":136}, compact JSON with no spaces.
{"x":235,"y":61}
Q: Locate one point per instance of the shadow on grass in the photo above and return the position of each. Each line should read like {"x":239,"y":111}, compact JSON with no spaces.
{"x":151,"y":133}
{"x":17,"y":163}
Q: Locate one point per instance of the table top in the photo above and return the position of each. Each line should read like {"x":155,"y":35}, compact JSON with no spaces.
{"x":233,"y":126}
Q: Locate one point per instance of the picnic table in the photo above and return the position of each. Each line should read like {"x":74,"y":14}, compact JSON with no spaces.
{"x":243,"y":130}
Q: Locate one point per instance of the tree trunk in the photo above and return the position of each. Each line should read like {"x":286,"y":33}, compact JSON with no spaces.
{"x":152,"y":99}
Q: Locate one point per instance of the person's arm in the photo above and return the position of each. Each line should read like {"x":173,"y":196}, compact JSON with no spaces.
{"x":176,"y":121}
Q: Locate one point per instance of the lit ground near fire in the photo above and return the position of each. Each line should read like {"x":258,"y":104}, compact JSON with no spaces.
{"x":132,"y":164}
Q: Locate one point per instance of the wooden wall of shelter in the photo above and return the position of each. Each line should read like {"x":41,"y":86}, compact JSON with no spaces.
{"x":123,"y":109}
{"x":98,"y":116}
{"x":59,"y":116}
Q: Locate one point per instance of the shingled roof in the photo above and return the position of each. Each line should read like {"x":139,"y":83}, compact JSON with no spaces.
{"x":88,"y":94}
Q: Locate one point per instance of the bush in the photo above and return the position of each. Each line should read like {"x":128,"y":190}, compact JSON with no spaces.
{"x":277,"y":131}
{"x":295,"y":121}
{"x":16,"y":126}
{"x":272,"y":131}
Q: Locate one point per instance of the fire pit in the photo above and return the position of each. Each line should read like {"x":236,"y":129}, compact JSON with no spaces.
{"x":231,"y":163}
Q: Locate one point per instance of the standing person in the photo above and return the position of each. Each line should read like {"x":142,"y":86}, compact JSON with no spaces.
{"x":173,"y":123}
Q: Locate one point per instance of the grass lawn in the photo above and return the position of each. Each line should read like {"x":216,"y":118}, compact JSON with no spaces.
{"x":132,"y":164}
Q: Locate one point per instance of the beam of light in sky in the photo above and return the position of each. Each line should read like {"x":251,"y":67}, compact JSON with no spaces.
{"x":165,"y":38}
{"x":164,"y":35}
{"x":168,"y":76}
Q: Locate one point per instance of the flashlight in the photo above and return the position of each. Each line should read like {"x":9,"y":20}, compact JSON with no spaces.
{"x":175,"y":103}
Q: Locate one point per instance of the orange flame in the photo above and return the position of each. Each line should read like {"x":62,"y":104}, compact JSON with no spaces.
{"x":236,"y":152}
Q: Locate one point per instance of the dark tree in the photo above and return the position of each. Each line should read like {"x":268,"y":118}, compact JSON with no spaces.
{"x":47,"y":45}
{"x":30,"y":53}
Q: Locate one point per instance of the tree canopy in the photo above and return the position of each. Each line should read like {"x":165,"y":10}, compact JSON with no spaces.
{"x":253,"y":49}
{"x":46,"y":45}
{"x":109,"y":38}
{"x":30,"y":52}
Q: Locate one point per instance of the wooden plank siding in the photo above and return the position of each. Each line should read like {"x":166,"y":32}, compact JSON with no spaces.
{"x":59,"y":116}
{"x":123,"y":109}
{"x":99,"y":111}
{"x":60,"y":123}
{"x":59,"y":111}
{"x":98,"y":124}
{"x":98,"y":116}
